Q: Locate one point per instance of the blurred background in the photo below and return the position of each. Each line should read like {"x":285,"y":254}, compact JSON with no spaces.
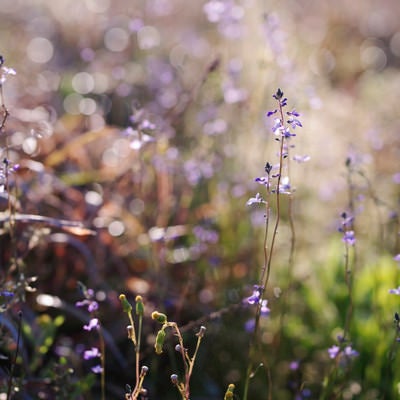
{"x":146,"y":120}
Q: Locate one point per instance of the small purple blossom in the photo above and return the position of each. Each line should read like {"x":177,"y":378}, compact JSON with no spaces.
{"x":395,"y":291}
{"x":256,"y":295}
{"x":97,"y":369}
{"x":334,"y":351}
{"x":255,"y":200}
{"x":93,"y":324}
{"x":6,"y":293}
{"x":293,"y":121}
{"x":265,"y":311}
{"x":262,"y":180}
{"x":301,"y":159}
{"x":397,"y":258}
{"x":92,"y":353}
{"x":350,"y":352}
{"x":349,"y":238}
{"x":91,"y":305}
{"x":294,"y":365}
{"x":284,"y":186}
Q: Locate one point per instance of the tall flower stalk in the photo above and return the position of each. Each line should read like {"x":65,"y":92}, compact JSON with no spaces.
{"x":276,"y":184}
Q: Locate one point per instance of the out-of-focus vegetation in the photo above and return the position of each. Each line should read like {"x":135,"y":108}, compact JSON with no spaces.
{"x":134,"y":134}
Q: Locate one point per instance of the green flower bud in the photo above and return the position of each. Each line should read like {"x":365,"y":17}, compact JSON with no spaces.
{"x":126,"y":306}
{"x":159,"y":341}
{"x":159,"y":317}
{"x":229,"y":392}
{"x":139,"y":306}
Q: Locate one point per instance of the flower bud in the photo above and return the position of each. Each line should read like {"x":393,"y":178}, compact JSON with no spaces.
{"x":178,"y":348}
{"x":229,"y":392}
{"x":201,"y":332}
{"x":126,"y":306}
{"x":159,"y":341}
{"x":174,"y":379}
{"x":144,"y":370}
{"x":131,"y":331}
{"x":139,"y":305}
{"x":159,"y":317}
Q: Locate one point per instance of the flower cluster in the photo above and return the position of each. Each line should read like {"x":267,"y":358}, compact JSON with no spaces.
{"x":342,"y":353}
{"x":92,"y":306}
{"x":347,"y":229}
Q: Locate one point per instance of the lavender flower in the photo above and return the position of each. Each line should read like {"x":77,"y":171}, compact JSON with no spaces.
{"x":97,"y":369}
{"x":349,"y":238}
{"x":256,"y":295}
{"x":265,"y":311}
{"x":293,"y":121}
{"x":92,"y":353}
{"x":395,"y":291}
{"x":93,"y":324}
{"x":334,"y":351}
{"x":255,"y":200}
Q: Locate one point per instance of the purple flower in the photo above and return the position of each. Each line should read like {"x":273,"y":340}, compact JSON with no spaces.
{"x":255,"y":297}
{"x":349,"y":238}
{"x":301,"y":159}
{"x":294,"y":365}
{"x":91,"y":305}
{"x":293,"y":121}
{"x":350,"y":352}
{"x":93,"y":324}
{"x":263,"y":180}
{"x":257,"y":199}
{"x":97,"y":369}
{"x":6,"y":293}
{"x":397,"y":258}
{"x":284,"y":186}
{"x":395,"y":291}
{"x":334,"y":351}
{"x":92,"y":353}
{"x":265,"y":311}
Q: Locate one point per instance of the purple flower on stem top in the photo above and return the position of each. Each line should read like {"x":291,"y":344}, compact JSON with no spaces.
{"x":93,"y":324}
{"x":92,"y":353}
